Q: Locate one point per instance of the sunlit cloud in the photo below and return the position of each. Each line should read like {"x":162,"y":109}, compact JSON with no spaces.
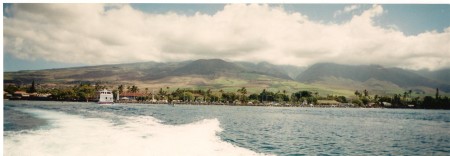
{"x":102,"y":34}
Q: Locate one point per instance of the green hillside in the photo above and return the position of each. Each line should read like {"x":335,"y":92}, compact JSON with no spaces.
{"x":217,"y":74}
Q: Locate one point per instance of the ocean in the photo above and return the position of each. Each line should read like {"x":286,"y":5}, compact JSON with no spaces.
{"x":72,"y":129}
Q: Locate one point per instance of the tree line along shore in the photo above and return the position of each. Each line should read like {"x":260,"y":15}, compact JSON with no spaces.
{"x":86,"y":92}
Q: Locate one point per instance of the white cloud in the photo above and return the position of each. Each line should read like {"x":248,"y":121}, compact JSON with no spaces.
{"x":99,"y":34}
{"x":347,"y":9}
{"x":351,"y":8}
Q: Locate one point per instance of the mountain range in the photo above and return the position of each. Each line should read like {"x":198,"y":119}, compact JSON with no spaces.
{"x":326,"y":78}
{"x":380,"y":77}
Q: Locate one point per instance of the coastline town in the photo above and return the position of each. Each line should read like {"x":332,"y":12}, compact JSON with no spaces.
{"x":241,"y":97}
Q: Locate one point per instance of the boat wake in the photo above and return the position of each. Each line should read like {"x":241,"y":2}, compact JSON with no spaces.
{"x":73,"y":135}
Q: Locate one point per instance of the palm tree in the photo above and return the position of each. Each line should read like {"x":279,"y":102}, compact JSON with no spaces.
{"x":146,"y":94}
{"x":263,"y":93}
{"x":134,"y":89}
{"x":221,"y":94}
{"x":409,"y":94}
{"x":208,"y":93}
{"x":120,"y":88}
{"x":32,"y":89}
{"x":243,"y":92}
{"x":167,"y":92}
{"x":203,"y":93}
{"x":366,"y":93}
{"x":162,"y":93}
{"x":437,"y":93}
{"x":357,"y":93}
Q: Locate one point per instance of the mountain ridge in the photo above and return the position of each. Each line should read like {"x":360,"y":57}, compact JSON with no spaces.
{"x":223,"y":73}
{"x":146,"y":71}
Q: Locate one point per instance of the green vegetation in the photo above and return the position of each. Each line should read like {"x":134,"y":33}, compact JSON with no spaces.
{"x":405,"y":100}
{"x":241,"y":96}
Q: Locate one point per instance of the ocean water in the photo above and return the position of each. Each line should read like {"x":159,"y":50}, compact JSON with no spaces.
{"x":70,"y":128}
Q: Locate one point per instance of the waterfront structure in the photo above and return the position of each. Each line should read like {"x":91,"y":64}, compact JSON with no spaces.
{"x":129,"y":96}
{"x":105,"y":97}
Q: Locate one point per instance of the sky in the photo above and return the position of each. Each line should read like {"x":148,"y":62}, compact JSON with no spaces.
{"x":43,"y":36}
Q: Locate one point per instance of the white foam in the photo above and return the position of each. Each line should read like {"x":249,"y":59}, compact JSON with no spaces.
{"x":72,"y":135}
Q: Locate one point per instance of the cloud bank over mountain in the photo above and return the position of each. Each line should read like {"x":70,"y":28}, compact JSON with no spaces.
{"x":103,"y":34}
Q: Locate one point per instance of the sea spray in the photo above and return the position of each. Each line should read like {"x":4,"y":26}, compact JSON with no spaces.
{"x":73,"y":135}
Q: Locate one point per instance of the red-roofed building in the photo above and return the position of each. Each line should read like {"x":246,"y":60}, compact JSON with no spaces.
{"x":130,"y":96}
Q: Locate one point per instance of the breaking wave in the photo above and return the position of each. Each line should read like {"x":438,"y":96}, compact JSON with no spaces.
{"x":73,"y":135}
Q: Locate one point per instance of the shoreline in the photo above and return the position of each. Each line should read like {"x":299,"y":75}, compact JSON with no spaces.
{"x":216,"y":104}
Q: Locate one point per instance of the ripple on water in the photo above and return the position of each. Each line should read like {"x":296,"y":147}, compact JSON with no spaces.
{"x":296,"y":131}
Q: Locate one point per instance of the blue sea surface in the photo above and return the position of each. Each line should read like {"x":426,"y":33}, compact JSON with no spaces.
{"x":276,"y":130}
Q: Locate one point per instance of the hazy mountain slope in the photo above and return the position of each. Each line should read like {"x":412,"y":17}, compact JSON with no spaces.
{"x":442,"y":75}
{"x":362,"y":73}
{"x":120,"y":72}
{"x":146,"y":71}
{"x":291,"y":71}
{"x":206,"y":67}
{"x":269,"y":69}
{"x":115,"y":72}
